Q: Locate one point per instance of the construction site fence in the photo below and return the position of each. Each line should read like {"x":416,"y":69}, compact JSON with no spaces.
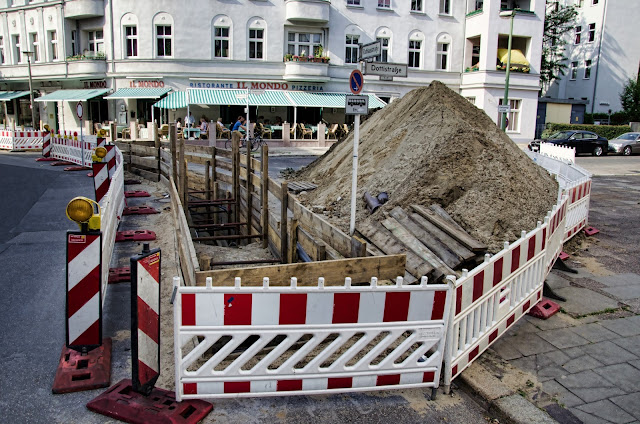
{"x":562,"y":153}
{"x":19,"y":140}
{"x":268,"y":340}
{"x":70,"y":148}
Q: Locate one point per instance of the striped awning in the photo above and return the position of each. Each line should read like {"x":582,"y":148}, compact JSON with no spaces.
{"x":10,"y":95}
{"x":72,"y":95}
{"x":138,"y":93}
{"x":333,"y":100}
{"x":175,"y":100}
{"x":237,"y":97}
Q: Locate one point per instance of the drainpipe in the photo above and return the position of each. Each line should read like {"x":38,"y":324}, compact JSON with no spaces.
{"x":595,"y":78}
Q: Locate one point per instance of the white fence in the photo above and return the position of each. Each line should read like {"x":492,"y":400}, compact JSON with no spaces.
{"x":561,"y":153}
{"x":272,"y":341}
{"x":22,"y":140}
{"x":69,"y":148}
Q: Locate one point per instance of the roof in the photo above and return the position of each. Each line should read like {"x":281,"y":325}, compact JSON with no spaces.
{"x":72,"y":95}
{"x":138,"y":93}
{"x":334,"y":100}
{"x":10,"y":95}
{"x":175,"y":100}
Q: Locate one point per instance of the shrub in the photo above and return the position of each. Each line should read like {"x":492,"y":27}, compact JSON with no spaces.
{"x":606,"y":131}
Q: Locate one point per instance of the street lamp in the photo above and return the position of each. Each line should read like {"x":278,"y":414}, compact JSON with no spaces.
{"x":33,"y":113}
{"x":507,"y":14}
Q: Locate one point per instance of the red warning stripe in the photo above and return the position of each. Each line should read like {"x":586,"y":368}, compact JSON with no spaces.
{"x":293,"y":309}
{"x":82,"y":292}
{"x":91,"y":336}
{"x":148,"y":321}
{"x":145,"y":373}
{"x":396,"y":306}
{"x":345,"y":308}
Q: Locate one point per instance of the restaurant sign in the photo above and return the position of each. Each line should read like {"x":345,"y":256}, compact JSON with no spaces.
{"x":146,"y":84}
{"x":256,"y":85}
{"x":95,"y":84}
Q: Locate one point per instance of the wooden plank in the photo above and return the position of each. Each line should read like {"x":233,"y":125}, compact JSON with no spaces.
{"x":334,"y":272}
{"x":444,"y":215}
{"x":264,"y":194}
{"x":147,"y":162}
{"x":275,"y":189}
{"x":462,"y":236}
{"x":204,"y":150}
{"x":451,"y":243}
{"x":440,"y":268}
{"x":358,"y":247}
{"x":165,"y":156}
{"x":139,"y":150}
{"x":327,"y":232}
{"x":316,"y":249}
{"x":385,"y":241}
{"x":151,"y":176}
{"x":283,"y":223}
{"x":432,"y":243}
{"x":188,"y":258}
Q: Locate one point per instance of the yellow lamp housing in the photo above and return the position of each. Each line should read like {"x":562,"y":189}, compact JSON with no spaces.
{"x":98,"y":154}
{"x":85,"y":212}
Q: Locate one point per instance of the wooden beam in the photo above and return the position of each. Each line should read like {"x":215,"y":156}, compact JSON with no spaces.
{"x":334,"y":272}
{"x":249,"y":192}
{"x":174,"y":157}
{"x":264,"y":195}
{"x":358,"y":247}
{"x":461,"y":236}
{"x":451,"y":243}
{"x":327,"y":232}
{"x":283,"y":222}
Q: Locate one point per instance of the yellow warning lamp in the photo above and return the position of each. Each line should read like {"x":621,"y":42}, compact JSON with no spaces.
{"x":85,"y":212}
{"x":98,"y":154}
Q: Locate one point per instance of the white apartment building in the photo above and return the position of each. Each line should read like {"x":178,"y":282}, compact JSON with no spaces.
{"x":168,"y":46}
{"x":603,"y":52}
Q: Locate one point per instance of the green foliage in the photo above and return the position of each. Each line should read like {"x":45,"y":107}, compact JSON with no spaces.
{"x":618,"y":118}
{"x":630,"y":99}
{"x":557,"y":24}
{"x":606,"y":131}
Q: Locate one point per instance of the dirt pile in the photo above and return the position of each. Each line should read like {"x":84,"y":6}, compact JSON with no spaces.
{"x":433,"y":146}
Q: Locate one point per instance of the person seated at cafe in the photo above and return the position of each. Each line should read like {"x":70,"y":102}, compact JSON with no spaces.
{"x":203,"y":124}
{"x":278,"y":120}
{"x":179,"y":123}
{"x":239,"y":124}
{"x":189,"y":120}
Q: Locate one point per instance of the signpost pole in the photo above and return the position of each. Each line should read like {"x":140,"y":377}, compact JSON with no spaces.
{"x":354,"y":178}
{"x":80,"y":113}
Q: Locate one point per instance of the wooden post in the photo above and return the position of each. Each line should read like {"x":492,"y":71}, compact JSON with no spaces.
{"x":216,"y":220}
{"x":358,"y":247}
{"x":155,"y":134}
{"x":235,"y":166}
{"x":182,"y":174}
{"x":185,"y":202}
{"x":172,"y":144}
{"x":207,"y":187}
{"x":113,"y":131}
{"x":229,"y":212}
{"x":284,"y":206}
{"x":293,"y":257}
{"x":213,"y":169}
{"x":322,"y":251}
{"x":264,"y":196}
{"x":249,"y":195}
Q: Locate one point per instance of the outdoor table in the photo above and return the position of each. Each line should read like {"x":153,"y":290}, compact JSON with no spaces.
{"x":275,"y":128}
{"x":191,"y":132}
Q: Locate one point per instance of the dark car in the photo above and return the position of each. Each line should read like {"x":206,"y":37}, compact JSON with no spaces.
{"x":582,"y":141}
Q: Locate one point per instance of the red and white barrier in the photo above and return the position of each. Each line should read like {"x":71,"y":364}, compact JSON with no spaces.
{"x":398,"y":331}
{"x":562,"y":153}
{"x":84,"y":305}
{"x":578,"y":209}
{"x":110,"y":158}
{"x":46,"y":145}
{"x":69,"y":148}
{"x":18,"y":141}
{"x":100,"y":179}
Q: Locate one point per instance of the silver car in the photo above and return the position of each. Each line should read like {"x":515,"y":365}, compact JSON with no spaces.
{"x":625,"y":144}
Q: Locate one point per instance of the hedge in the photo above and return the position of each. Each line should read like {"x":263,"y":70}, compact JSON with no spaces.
{"x":606,"y":131}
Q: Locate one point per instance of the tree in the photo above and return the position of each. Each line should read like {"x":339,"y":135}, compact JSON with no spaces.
{"x":558,"y":22}
{"x":630,"y":98}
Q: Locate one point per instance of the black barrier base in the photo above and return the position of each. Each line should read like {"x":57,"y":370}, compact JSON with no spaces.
{"x":123,"y":403}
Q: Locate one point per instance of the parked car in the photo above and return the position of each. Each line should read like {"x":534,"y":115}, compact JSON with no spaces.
{"x":625,"y":144}
{"x":582,"y":141}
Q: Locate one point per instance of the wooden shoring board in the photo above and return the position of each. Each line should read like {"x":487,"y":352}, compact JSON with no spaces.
{"x":327,"y":232}
{"x":462,"y":236}
{"x":299,"y":186}
{"x":440,"y":268}
{"x":137,"y":149}
{"x":334,"y":272}
{"x":384,"y":240}
{"x":451,"y":243}
{"x":432,"y":243}
{"x":316,"y":249}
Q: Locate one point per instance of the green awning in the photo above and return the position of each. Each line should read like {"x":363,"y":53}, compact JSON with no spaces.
{"x":138,"y":93}
{"x":175,"y":100}
{"x":237,"y":97}
{"x":10,"y":95}
{"x":72,"y":95}
{"x":333,"y":100}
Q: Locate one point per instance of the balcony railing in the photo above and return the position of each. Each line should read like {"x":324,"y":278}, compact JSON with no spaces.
{"x":87,"y":56}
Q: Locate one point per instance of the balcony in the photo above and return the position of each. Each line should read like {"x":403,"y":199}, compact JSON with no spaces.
{"x":307,"y":11}
{"x":82,"y":65}
{"x":306,"y":69}
{"x":80,"y":9}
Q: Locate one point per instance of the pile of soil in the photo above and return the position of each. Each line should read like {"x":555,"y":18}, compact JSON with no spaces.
{"x":433,"y":146}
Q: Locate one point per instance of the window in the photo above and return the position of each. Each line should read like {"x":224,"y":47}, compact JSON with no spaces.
{"x":1,"y":50}
{"x":574,"y":70}
{"x":384,"y":57}
{"x":306,"y":43}
{"x":587,"y":69}
{"x":513,"y":116}
{"x":353,"y":2}
{"x":96,"y":42}
{"x":414,"y":53}
{"x":221,"y":42}
{"x":74,"y":42}
{"x":256,"y":40}
{"x":592,"y":32}
{"x":384,"y":4}
{"x":594,"y":2}
{"x":163,"y":40}
{"x":442,"y":56}
{"x":53,"y":45}
{"x":578,"y":33}
{"x":352,"y":50}
{"x":17,"y":50}
{"x":416,"y":5}
{"x":35,"y":46}
{"x":131,"y":40}
{"x":445,"y":7}
{"x":475,"y":55}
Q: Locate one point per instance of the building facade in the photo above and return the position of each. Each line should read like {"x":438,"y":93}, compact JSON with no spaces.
{"x":602,"y":53}
{"x":114,"y":44}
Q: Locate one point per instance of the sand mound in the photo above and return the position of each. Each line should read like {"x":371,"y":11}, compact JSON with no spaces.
{"x":433,"y":146}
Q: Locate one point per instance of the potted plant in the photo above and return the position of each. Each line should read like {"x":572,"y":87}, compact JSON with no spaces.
{"x":288,"y":57}
{"x":303,"y":56}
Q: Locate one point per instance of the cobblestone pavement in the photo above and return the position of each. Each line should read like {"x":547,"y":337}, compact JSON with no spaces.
{"x":588,"y":356}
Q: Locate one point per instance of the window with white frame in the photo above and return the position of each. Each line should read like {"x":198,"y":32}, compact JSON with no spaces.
{"x":256,"y":43}
{"x":442,"y":56}
{"x":574,"y":71}
{"x":592,"y":33}
{"x":35,"y":46}
{"x":53,"y":45}
{"x":384,"y":4}
{"x":416,"y":5}
{"x":17,"y":50}
{"x":221,"y":42}
{"x":352,"y":49}
{"x":577,"y":31}
{"x":415,"y":48}
{"x":384,"y":56}
{"x":74,"y":42}
{"x":1,"y":50}
{"x":131,"y":40}
{"x":164,"y":40}
{"x":304,"y":43}
{"x":513,"y":116}
{"x":96,"y":42}
{"x":587,"y":69}
{"x":445,"y":7}
{"x":353,"y":2}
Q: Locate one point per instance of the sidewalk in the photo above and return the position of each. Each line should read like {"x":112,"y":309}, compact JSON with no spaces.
{"x":297,"y":151}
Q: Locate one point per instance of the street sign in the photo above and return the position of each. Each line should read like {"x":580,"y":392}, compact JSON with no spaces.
{"x":385,"y":69}
{"x":79,"y":110}
{"x":356,"y":80}
{"x":503,"y":109}
{"x":356,"y":105}
{"x":370,"y":50}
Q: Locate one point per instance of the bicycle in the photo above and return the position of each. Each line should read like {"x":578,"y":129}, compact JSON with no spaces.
{"x":256,"y":142}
